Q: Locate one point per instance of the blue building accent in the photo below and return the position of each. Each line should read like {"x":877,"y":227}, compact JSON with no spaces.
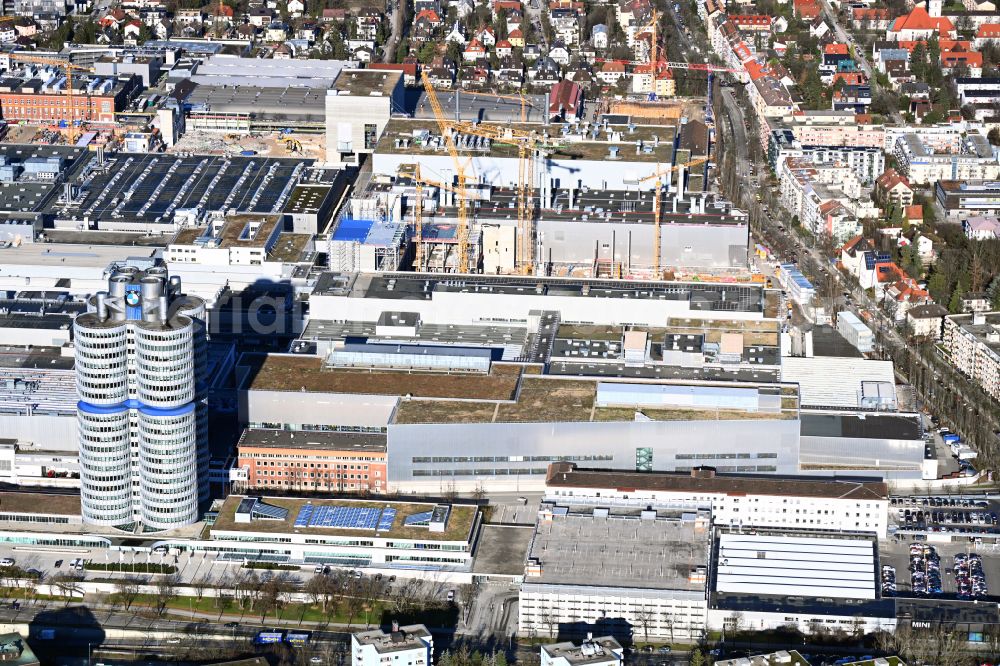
{"x":88,"y":408}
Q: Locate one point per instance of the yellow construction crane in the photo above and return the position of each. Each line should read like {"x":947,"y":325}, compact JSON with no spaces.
{"x":528,"y":144}
{"x":418,"y":211}
{"x":651,"y":27}
{"x":69,"y":68}
{"x":657,"y":213}
{"x":520,"y":97}
{"x":446,"y":131}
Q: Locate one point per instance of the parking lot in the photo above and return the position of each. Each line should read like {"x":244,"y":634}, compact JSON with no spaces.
{"x":945,"y":517}
{"x":900,"y":555}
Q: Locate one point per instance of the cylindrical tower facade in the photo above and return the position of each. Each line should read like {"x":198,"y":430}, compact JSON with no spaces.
{"x":101,"y":359}
{"x":168,"y":447}
{"x":143,"y":455}
{"x":105,"y":467}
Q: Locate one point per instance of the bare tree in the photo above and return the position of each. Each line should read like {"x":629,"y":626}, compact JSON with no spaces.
{"x":549,"y":621}
{"x":127,"y":589}
{"x":67,"y":583}
{"x":166,"y":591}
{"x":200,"y":584}
{"x":644,"y":617}
{"x":355,"y":602}
{"x":272,"y":594}
{"x":735,"y":623}
{"x":318,"y":589}
{"x":667,"y":619}
{"x":467,"y":595}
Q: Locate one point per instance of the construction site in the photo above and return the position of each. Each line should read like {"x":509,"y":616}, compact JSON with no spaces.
{"x":538,"y":198}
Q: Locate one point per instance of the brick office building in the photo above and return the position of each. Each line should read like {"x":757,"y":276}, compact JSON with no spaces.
{"x":311,"y":460}
{"x":94,"y":99}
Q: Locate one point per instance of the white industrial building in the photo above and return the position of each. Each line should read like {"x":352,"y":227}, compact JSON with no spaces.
{"x":411,"y":645}
{"x":771,"y":579}
{"x":735,"y":501}
{"x":471,"y":299}
{"x":358,"y":107}
{"x":841,"y":382}
{"x":780,"y":564}
{"x":435,"y":537}
{"x":855,"y":331}
{"x":614,"y":569}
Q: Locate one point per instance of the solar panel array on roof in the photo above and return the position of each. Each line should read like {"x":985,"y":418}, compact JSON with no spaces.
{"x":387,"y":519}
{"x":269,"y":511}
{"x":345,"y":517}
{"x":418,"y":519}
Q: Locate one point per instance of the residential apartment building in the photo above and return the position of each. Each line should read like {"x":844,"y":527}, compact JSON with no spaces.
{"x":921,"y":165}
{"x":866,"y":163}
{"x":972,"y":342}
{"x":926,"y":321}
{"x":964,"y":198}
{"x":327,"y":461}
{"x":812,"y":192}
{"x":411,"y":645}
{"x":600,"y":651}
{"x":833,"y":128}
{"x":892,"y":189}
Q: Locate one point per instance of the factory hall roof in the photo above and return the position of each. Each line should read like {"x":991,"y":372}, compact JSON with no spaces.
{"x":260,"y":102}
{"x":358,"y":442}
{"x":566,"y":142}
{"x":588,"y":546}
{"x":58,"y":504}
{"x":302,"y":373}
{"x":404,"y":286}
{"x":568,"y":475}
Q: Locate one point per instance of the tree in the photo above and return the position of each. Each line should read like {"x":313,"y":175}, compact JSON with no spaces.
{"x":403,"y":50}
{"x":318,"y":589}
{"x":166,"y":591}
{"x":644,"y":617}
{"x":955,"y":303}
{"x":697,"y":658}
{"x":355,"y":603}
{"x":58,"y":38}
{"x":127,"y":589}
{"x":426,"y":53}
{"x":993,"y":293}
{"x":938,"y":286}
{"x":86,"y":32}
{"x":455,"y":51}
{"x":467,"y":594}
{"x":200,"y":584}
{"x":271,"y":593}
{"x":548,"y":620}
{"x":912,"y":263}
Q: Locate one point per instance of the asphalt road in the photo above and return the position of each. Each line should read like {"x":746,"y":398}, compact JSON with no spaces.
{"x":396,"y":21}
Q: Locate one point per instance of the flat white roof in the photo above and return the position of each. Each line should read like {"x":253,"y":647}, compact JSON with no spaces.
{"x":833,"y":381}
{"x":796,"y":566}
